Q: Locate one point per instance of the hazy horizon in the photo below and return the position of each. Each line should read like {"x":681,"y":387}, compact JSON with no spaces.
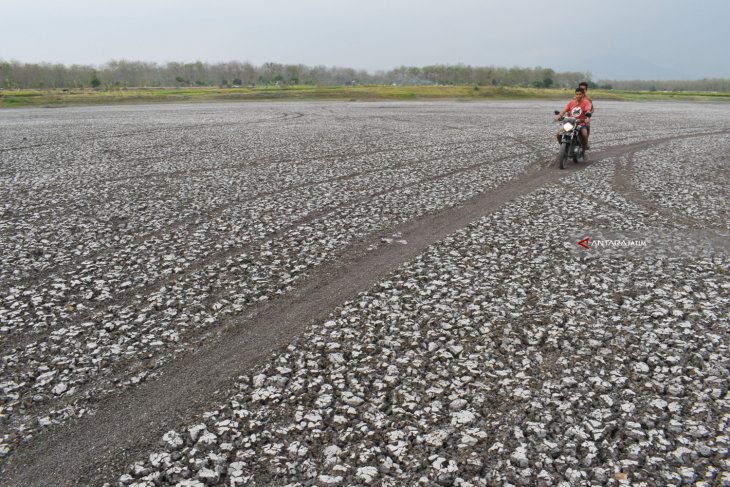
{"x":651,"y":40}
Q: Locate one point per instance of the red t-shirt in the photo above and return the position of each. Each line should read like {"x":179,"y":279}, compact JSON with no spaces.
{"x":576,"y":110}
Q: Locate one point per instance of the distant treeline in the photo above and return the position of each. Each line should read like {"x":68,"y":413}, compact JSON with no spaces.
{"x":122,"y":73}
{"x":119,"y":74}
{"x":670,"y":85}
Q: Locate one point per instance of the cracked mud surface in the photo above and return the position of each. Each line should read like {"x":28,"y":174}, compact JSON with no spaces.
{"x":356,"y":294}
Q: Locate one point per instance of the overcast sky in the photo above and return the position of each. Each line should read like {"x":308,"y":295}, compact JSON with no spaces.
{"x":613,"y":39}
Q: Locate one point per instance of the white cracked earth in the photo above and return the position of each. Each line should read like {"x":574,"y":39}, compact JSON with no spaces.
{"x":504,"y":354}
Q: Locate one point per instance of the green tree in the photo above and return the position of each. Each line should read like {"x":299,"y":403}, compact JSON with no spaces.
{"x":95,"y":81}
{"x":546,"y":82}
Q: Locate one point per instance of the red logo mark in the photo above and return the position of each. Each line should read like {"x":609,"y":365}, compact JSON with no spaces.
{"x":584,"y":243}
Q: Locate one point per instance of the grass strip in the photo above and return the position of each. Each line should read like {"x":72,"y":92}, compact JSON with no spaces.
{"x":67,"y":97}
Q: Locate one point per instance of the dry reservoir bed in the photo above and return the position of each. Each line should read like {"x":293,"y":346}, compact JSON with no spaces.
{"x":363,"y":294}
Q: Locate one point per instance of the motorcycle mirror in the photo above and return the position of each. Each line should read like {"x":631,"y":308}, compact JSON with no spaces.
{"x":557,"y":112}
{"x":589,"y":115}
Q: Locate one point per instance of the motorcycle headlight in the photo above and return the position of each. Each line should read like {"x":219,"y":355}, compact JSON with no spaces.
{"x":567,"y":126}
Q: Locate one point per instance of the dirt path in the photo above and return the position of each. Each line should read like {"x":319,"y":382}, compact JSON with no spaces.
{"x":623,"y":185}
{"x":101,"y":446}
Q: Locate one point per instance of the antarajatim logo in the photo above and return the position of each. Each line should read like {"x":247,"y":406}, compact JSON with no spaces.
{"x":612,"y":243}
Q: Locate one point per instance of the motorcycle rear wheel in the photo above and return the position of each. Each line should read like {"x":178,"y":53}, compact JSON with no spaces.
{"x":579,"y":157}
{"x":582,"y":156}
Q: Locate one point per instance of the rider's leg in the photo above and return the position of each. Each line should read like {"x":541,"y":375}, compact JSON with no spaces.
{"x":558,"y":136}
{"x":584,"y":137}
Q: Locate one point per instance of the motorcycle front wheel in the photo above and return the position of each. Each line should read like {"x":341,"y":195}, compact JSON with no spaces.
{"x":563,"y":155}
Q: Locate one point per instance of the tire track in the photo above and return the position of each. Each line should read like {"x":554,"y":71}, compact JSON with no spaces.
{"x":21,"y":338}
{"x":623,"y":185}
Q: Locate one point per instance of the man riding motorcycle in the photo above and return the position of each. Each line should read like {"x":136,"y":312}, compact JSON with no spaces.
{"x":578,"y":108}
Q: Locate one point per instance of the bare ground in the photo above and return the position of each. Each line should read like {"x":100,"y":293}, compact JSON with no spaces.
{"x":95,"y":448}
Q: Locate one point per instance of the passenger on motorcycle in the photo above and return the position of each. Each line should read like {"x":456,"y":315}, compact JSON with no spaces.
{"x":578,"y":108}
{"x":584,"y":85}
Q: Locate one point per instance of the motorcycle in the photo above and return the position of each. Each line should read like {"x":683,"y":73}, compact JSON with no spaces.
{"x":571,"y":141}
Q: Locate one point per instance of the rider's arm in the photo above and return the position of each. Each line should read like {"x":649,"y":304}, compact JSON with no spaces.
{"x":587,"y":109}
